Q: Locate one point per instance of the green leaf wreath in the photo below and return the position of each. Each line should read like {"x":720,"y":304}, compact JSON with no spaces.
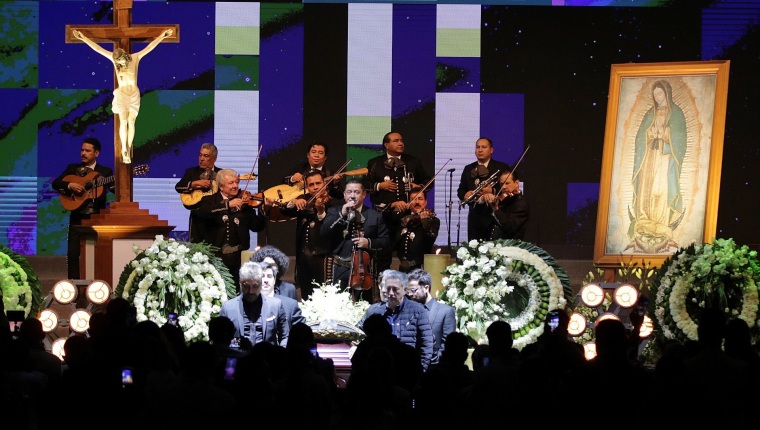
{"x":182,"y":277}
{"x":719,"y":275}
{"x":19,"y":287}
{"x":507,"y":280}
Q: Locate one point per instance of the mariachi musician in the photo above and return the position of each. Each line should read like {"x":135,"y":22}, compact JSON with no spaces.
{"x":353,"y":232}
{"x":88,"y":154}
{"x":472,"y":186}
{"x":419,"y":230}
{"x":309,"y":211}
{"x":195,"y":183}
{"x":510,"y":210}
{"x":316,"y":156}
{"x":389,"y":181}
{"x":230,"y":215}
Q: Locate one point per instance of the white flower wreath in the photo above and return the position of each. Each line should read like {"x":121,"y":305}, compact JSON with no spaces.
{"x":719,"y":274}
{"x":180,"y":277}
{"x":506,"y":280}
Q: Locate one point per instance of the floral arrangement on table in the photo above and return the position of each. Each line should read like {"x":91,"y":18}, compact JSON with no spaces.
{"x":182,"y":277}
{"x":508,"y":280}
{"x":19,"y":287}
{"x":720,"y":275}
{"x":334,"y":312}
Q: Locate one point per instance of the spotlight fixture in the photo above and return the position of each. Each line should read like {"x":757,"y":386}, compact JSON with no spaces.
{"x":57,"y":347}
{"x":68,"y":307}
{"x":647,"y":327}
{"x":49,"y":320}
{"x":64,"y":292}
{"x":592,"y":295}
{"x":626,"y":296}
{"x":80,"y":321}
{"x":98,"y":292}
{"x":577,"y":324}
{"x":589,"y":350}
{"x":606,"y":316}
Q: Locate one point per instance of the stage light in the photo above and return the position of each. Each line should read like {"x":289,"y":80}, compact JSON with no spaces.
{"x":68,"y":307}
{"x":57,"y":347}
{"x":49,"y":320}
{"x":589,"y":350}
{"x":98,"y":292}
{"x":592,"y":295}
{"x":577,"y":324}
{"x":647,"y":327}
{"x":80,"y":321}
{"x":64,"y":292}
{"x":626,"y":296}
{"x":606,"y":316}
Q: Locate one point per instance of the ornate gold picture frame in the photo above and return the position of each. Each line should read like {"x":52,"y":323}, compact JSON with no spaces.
{"x":661,"y":165}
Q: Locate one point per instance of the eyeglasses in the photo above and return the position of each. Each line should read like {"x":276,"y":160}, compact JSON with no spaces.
{"x":413,"y":290}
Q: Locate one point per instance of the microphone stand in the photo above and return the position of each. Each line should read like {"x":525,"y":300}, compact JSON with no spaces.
{"x":448,"y":222}
{"x":459,"y":221}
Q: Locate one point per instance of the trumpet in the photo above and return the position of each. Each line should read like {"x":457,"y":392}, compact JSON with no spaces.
{"x":489,"y":182}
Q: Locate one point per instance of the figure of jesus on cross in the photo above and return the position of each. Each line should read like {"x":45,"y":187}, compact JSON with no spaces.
{"x":126,"y":103}
{"x":126,"y":96}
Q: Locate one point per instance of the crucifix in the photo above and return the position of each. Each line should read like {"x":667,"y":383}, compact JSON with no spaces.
{"x":126,"y":94}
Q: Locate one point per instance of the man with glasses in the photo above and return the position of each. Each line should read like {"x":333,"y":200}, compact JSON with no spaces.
{"x":443,"y":319}
{"x":408,"y":319}
{"x":198,"y":181}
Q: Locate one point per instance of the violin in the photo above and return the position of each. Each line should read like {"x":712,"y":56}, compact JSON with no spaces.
{"x":320,"y":199}
{"x":428,"y":213}
{"x":250,"y":199}
{"x":360,"y":277}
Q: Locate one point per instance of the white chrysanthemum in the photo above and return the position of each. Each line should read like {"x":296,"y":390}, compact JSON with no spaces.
{"x":485,"y":273}
{"x":167,"y":268}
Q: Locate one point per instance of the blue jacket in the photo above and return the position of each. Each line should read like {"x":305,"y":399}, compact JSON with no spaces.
{"x":414,"y":327}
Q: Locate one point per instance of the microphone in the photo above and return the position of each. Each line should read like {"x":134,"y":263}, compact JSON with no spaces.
{"x":351,"y":211}
{"x":451,"y":170}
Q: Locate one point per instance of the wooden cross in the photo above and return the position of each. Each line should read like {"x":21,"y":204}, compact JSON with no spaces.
{"x":122,"y":34}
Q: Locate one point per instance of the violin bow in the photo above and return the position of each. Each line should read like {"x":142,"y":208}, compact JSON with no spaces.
{"x":411,"y":199}
{"x":253,"y":168}
{"x":501,"y":184}
{"x":329,"y":181}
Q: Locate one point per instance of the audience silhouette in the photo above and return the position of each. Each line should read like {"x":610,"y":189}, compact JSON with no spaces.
{"x":208,"y":383}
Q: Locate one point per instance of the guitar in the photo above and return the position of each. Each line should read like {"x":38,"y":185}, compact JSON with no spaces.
{"x":285,"y":193}
{"x":190,"y":199}
{"x":93,"y":184}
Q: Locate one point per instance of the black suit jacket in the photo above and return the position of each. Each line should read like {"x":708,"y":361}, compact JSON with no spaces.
{"x":89,"y":206}
{"x":335,"y":187}
{"x":377,"y":172}
{"x":416,"y":236}
{"x":229,"y":226}
{"x":511,"y":220}
{"x":334,"y":225}
{"x":196,"y":225}
{"x":308,"y":226}
{"x":479,"y":216}
{"x":191,"y":174}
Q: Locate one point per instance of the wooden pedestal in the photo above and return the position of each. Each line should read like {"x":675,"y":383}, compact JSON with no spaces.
{"x":109,"y":237}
